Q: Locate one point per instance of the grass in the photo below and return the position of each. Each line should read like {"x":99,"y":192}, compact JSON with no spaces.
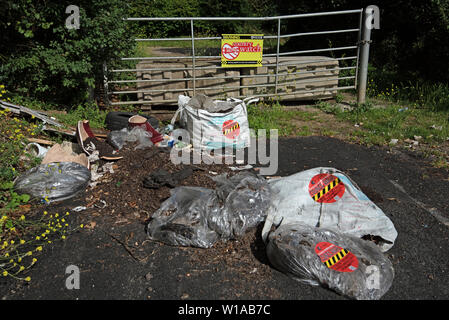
{"x":393,"y":121}
{"x":88,"y":111}
{"x":273,"y":116}
{"x":418,"y":93}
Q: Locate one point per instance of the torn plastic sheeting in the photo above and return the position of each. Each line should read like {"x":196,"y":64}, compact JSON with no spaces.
{"x":36,"y":149}
{"x":316,"y":256}
{"x":199,"y":217}
{"x":54,"y":181}
{"x":119,"y":138}
{"x":326,"y":197}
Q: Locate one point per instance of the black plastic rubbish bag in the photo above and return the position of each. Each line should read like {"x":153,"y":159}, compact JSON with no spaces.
{"x":347,"y":265}
{"x":199,"y":217}
{"x":54,"y":181}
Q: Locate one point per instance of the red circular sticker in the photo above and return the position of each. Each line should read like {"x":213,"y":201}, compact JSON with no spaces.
{"x":326,"y":188}
{"x":336,"y":258}
{"x":230,"y":52}
{"x":231,"y":129}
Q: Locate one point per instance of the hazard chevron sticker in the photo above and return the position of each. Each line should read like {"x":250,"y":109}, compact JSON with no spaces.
{"x":326,"y":188}
{"x":336,"y":258}
{"x":231,"y":129}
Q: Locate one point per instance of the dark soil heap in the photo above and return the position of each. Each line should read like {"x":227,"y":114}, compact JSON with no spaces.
{"x":124,"y":191}
{"x":104,"y":149}
{"x":127,"y":199}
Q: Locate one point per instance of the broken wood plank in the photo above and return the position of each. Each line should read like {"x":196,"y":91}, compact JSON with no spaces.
{"x":42,"y":141}
{"x":65,"y":132}
{"x":36,"y":114}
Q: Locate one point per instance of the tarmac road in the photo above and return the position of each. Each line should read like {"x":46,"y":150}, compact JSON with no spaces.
{"x":413,"y":195}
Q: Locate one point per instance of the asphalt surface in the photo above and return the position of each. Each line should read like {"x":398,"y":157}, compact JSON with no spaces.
{"x":411,"y":193}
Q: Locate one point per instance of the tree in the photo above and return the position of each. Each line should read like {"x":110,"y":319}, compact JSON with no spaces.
{"x":41,"y":57}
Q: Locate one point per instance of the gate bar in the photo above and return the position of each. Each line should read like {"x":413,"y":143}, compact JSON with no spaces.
{"x":234,"y":77}
{"x":290,"y":35}
{"x":259,"y":95}
{"x":265,"y":55}
{"x":219,"y":67}
{"x":302,"y":15}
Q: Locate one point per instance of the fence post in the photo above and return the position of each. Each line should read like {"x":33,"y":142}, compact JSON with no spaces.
{"x":364,"y":57}
{"x":193,"y":56}
{"x":106,"y":88}
{"x":277,"y":59}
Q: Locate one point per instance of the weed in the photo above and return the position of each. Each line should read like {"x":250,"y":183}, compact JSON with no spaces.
{"x":339,"y":98}
{"x":89,"y":111}
{"x":22,"y":239}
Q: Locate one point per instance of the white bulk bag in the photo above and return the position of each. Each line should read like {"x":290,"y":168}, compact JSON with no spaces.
{"x":327,"y":198}
{"x":216,"y":130}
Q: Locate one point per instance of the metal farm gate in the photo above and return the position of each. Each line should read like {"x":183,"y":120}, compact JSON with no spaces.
{"x":284,"y":75}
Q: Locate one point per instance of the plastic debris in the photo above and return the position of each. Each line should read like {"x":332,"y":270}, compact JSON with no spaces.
{"x":36,"y":150}
{"x":327,"y":198}
{"x":54,"y":181}
{"x":317,"y":256}
{"x":119,"y":138}
{"x":199,"y":217}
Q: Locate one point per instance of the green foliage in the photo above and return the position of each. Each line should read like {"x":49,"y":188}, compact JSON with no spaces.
{"x":198,"y":8}
{"x":380,"y":125}
{"x":269,"y":116}
{"x":387,"y":86}
{"x":44,"y":59}
{"x":22,"y":240}
{"x":9,"y":199}
{"x":88,"y":111}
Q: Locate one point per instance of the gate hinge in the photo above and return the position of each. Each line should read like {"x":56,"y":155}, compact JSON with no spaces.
{"x":363,"y":42}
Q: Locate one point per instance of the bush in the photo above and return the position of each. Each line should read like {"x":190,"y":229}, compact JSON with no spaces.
{"x":41,"y":58}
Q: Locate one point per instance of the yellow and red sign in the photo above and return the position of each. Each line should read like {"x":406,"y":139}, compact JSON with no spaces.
{"x":241,"y":50}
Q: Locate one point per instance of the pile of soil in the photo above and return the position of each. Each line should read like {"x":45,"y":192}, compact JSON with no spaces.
{"x":122,"y":195}
{"x":104,"y":149}
{"x":127,"y":200}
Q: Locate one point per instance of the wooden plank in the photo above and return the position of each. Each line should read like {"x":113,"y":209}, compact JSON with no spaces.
{"x":45,"y":119}
{"x":42,"y":141}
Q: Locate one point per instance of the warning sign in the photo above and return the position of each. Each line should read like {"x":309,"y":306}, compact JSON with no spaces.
{"x":336,"y":258}
{"x":241,"y":50}
{"x":326,"y":188}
